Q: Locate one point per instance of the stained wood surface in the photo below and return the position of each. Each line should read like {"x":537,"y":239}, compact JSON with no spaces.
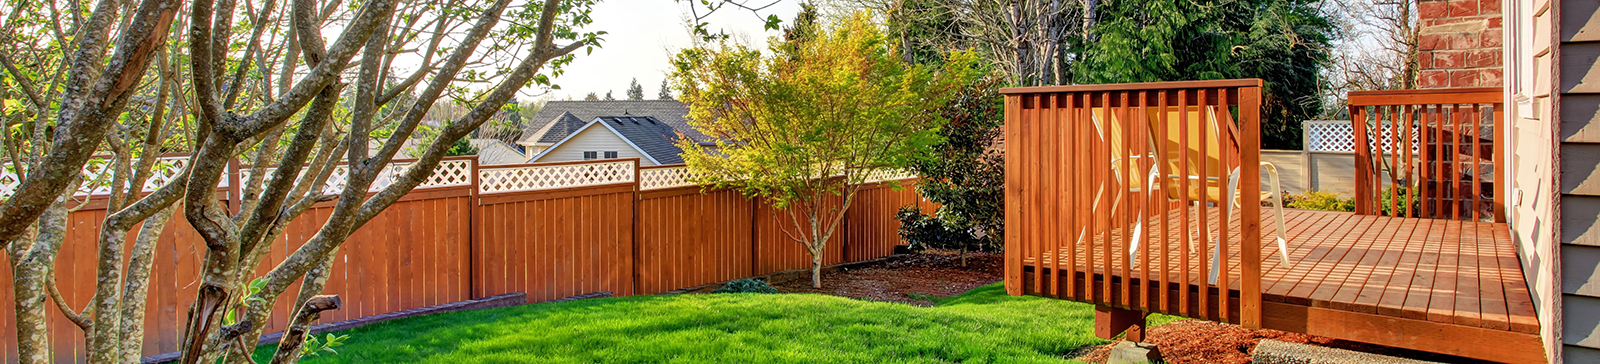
{"x":1443,"y":271}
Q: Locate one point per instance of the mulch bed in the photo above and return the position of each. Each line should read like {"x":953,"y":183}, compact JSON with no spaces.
{"x":1195,"y":341}
{"x":904,"y":278}
{"x":907,"y":278}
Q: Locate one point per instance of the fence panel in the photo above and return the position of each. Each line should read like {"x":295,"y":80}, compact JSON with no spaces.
{"x":551,"y":230}
{"x":688,"y":238}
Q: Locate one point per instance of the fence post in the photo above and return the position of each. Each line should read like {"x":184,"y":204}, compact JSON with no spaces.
{"x":1250,"y":213}
{"x":474,"y":237}
{"x":1305,"y":157}
{"x":633,"y":222}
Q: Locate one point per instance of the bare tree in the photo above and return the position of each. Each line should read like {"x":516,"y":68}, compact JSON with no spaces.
{"x":1027,"y":40}
{"x":272,"y":95}
{"x":1380,"y":49}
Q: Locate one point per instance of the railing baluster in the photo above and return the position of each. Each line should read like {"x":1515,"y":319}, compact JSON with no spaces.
{"x":1477,"y":188}
{"x":1455,"y":163}
{"x":1160,"y":166}
{"x":1225,"y":160}
{"x":1405,"y":142}
{"x":1037,"y":146}
{"x":1184,"y":156}
{"x":1422,"y":150}
{"x":1205,"y":200}
{"x":1126,"y":196}
{"x":1072,"y":177}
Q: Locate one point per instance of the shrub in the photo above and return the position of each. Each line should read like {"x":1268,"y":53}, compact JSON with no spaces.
{"x":1408,"y":197}
{"x":1318,"y":200}
{"x":746,"y":285}
{"x":925,"y":232}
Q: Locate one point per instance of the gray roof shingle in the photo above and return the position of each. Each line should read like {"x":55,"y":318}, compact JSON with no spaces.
{"x":670,"y":112}
{"x":652,"y":136}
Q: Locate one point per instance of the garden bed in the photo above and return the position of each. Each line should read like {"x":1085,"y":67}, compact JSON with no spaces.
{"x":906,"y":278}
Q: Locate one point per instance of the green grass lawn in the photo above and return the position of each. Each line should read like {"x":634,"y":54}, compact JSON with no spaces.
{"x":981,"y":326}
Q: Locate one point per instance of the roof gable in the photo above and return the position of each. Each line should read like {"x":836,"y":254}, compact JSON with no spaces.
{"x":670,"y":112}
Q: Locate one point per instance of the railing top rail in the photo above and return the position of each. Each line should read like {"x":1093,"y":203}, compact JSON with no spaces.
{"x":1140,"y":86}
{"x":1445,"y":96}
{"x":661,"y":166}
{"x":546,"y":164}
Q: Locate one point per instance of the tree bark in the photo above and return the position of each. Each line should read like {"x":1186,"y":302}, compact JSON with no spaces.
{"x":30,"y":271}
{"x":300,"y":327}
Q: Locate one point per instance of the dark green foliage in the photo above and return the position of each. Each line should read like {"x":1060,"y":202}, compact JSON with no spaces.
{"x":929,"y":232}
{"x":966,"y":175}
{"x":461,"y":147}
{"x":1284,"y":42}
{"x":665,"y":93}
{"x":1408,"y":197}
{"x":746,"y":285}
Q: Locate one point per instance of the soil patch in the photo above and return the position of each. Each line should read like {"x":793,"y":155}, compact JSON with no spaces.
{"x":1195,"y":341}
{"x":906,"y":278}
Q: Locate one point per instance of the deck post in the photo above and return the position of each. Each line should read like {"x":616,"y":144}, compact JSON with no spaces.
{"x":1250,"y":209}
{"x":1013,"y":213}
{"x":1110,"y":321}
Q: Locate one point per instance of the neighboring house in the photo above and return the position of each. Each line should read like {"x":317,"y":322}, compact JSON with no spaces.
{"x":1552,"y":77}
{"x":495,"y":151}
{"x":610,"y":137}
{"x":560,"y":119}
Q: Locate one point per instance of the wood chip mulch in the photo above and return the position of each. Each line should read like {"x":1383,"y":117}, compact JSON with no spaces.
{"x":905,"y":278}
{"x":1195,"y":341}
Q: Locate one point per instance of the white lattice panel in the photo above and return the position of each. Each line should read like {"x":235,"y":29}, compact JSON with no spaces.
{"x":1340,"y":136}
{"x":545,"y":177}
{"x":888,"y":175}
{"x":659,"y":178}
{"x":97,"y":176}
{"x":448,"y":173}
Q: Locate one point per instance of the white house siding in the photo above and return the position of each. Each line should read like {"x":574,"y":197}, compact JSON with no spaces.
{"x":1534,"y":198}
{"x":1553,"y":70}
{"x":597,"y":138}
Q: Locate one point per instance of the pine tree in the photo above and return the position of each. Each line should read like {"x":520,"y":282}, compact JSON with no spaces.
{"x":635,"y":92}
{"x":665,"y":93}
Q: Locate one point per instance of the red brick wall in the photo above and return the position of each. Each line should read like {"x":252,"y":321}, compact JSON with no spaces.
{"x":1459,"y":43}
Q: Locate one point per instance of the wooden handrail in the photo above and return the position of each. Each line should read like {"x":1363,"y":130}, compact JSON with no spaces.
{"x":1429,"y":150}
{"x":1095,"y":171}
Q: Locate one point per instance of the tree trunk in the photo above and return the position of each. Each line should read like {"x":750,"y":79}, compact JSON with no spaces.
{"x":294,"y":339}
{"x":30,"y":270}
{"x":816,"y":270}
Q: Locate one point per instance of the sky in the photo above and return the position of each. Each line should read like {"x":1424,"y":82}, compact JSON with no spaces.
{"x":643,"y":35}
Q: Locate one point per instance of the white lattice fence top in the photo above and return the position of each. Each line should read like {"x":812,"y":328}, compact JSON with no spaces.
{"x":888,"y":175}
{"x":546,"y":177}
{"x":97,"y":176}
{"x":449,"y":173}
{"x":669,"y":177}
{"x":1340,"y":136}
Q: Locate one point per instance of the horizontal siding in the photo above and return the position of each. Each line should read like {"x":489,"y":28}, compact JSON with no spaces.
{"x":596,"y":138}
{"x":1578,"y":84}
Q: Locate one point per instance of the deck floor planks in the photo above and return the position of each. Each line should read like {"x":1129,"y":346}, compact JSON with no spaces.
{"x":1421,"y":289}
{"x":1492,"y":290}
{"x":1371,"y":264}
{"x":1441,"y":305}
{"x":1301,"y":255}
{"x":1363,"y":295}
{"x":1392,"y":298}
{"x":1350,"y":266}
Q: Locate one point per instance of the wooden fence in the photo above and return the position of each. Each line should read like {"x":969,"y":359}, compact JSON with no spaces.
{"x":551,"y":230}
{"x":1434,"y":149}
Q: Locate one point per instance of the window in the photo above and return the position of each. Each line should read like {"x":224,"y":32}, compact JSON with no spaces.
{"x":591,"y":154}
{"x":611,"y":154}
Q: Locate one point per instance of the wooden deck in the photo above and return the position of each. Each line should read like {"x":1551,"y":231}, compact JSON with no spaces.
{"x":1429,"y":281}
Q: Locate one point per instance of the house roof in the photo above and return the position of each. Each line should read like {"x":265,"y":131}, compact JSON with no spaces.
{"x":551,"y":124}
{"x":650,"y":136}
{"x":495,"y":151}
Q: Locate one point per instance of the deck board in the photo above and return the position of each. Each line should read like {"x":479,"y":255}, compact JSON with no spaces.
{"x":1445,"y":271}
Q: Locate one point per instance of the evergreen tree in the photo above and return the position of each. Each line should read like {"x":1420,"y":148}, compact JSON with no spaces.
{"x":591,"y":97}
{"x":635,"y":92}
{"x":1284,"y":42}
{"x":665,"y":93}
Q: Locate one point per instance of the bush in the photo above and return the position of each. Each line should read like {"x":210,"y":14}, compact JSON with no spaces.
{"x":929,"y":232}
{"x":1318,"y":200}
{"x":1408,"y":197}
{"x":746,"y":285}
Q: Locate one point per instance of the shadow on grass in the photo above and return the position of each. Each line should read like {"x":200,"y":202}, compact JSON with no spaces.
{"x":981,"y":326}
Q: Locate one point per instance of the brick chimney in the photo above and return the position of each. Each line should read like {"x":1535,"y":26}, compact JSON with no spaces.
{"x":1459,"y":43}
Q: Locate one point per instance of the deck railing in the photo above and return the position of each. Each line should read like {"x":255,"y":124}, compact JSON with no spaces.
{"x":1428,"y":153}
{"x":1120,"y":195}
